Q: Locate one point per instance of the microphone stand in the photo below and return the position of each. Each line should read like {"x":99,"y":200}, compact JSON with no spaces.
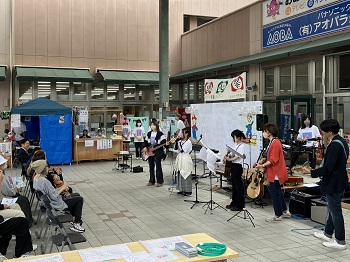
{"x":196,"y":177}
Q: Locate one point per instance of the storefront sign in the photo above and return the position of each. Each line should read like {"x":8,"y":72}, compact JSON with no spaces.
{"x":277,"y":10}
{"x":325,"y":20}
{"x":225,"y":89}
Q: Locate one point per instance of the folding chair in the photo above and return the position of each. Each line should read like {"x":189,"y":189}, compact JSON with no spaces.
{"x":62,"y":238}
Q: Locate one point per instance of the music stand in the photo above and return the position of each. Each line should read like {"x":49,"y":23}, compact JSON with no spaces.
{"x":196,"y":201}
{"x":211,"y":160}
{"x":246,"y":214}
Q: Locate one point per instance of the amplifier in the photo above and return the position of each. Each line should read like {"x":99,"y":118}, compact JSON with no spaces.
{"x":318,"y":211}
{"x":300,"y":203}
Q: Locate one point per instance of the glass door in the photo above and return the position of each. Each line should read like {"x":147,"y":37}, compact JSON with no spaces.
{"x":292,"y":110}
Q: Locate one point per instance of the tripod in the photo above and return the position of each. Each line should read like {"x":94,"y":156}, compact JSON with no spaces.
{"x":246,"y":214}
{"x":196,"y":177}
{"x":211,"y":202}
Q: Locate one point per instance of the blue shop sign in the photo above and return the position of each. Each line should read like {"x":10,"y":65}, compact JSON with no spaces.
{"x":325,"y":20}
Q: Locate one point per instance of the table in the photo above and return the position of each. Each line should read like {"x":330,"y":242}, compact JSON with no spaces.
{"x":124,"y":156}
{"x":194,"y":239}
{"x":86,"y":149}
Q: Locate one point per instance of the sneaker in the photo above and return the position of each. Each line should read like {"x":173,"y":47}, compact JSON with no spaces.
{"x":27,"y":255}
{"x":150,"y":184}
{"x":76,"y":227}
{"x":159,"y":185}
{"x":334,"y":244}
{"x":35,"y":247}
{"x":273,"y":219}
{"x":321,"y":235}
{"x":2,"y":257}
{"x":13,"y":237}
{"x":286,"y":214}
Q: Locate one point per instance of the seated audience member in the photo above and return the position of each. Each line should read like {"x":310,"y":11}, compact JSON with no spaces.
{"x":40,"y":154}
{"x":85,"y":134}
{"x":13,"y":222}
{"x":10,"y":190}
{"x":73,"y":204}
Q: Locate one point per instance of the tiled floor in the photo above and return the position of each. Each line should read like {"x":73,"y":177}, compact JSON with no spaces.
{"x":120,"y":208}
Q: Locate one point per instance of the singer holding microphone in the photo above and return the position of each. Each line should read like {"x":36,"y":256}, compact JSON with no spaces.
{"x":237,"y":202}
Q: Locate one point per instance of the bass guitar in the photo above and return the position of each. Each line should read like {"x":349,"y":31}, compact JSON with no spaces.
{"x":255,"y":188}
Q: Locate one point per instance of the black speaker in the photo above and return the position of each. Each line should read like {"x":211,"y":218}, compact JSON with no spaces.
{"x":261,"y":120}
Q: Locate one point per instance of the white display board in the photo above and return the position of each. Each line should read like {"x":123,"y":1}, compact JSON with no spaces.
{"x":216,"y":121}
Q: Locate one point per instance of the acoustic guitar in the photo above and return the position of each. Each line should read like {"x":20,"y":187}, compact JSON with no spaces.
{"x":255,"y":188}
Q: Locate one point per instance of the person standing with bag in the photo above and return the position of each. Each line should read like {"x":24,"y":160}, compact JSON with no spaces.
{"x":334,"y":182}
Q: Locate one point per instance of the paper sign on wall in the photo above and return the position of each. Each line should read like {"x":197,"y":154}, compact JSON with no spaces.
{"x":89,"y":143}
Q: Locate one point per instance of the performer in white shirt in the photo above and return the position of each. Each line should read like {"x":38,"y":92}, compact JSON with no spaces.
{"x":307,"y":131}
{"x":183,"y":163}
{"x":180,"y":125}
{"x":238,"y":201}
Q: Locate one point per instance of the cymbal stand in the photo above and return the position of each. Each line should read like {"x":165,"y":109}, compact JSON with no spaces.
{"x":246,"y":215}
{"x":211,"y":202}
{"x":196,"y":201}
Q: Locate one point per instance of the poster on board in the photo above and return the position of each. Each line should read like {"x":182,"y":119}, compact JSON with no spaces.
{"x":215,"y":122}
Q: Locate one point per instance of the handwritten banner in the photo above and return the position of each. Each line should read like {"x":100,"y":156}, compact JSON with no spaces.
{"x":225,"y":89}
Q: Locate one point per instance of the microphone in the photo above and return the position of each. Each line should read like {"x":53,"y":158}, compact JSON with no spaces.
{"x":200,"y":135}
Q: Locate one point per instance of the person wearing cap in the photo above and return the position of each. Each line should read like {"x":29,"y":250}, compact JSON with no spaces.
{"x":13,"y":222}
{"x":10,"y":190}
{"x":180,"y":125}
{"x":73,"y":204}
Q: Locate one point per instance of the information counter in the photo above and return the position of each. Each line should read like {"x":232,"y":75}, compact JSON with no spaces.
{"x":96,"y":148}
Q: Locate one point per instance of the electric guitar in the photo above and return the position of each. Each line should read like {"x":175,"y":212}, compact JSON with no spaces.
{"x":151,"y":149}
{"x":256,"y":187}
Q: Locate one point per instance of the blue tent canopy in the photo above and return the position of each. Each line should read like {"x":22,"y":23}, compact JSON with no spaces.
{"x":55,"y":128}
{"x":41,"y":106}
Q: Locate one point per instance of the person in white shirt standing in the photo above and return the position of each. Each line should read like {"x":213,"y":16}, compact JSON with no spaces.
{"x":307,"y":131}
{"x":139,"y":135}
{"x":19,"y":132}
{"x":126,"y":135}
{"x":180,"y":125}
{"x":238,"y":201}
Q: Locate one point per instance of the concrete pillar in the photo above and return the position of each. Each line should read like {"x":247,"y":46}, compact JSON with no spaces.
{"x":163,"y":57}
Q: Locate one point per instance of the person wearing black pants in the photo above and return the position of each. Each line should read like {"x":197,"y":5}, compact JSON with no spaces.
{"x":75,"y":206}
{"x":19,"y":227}
{"x":238,"y":201}
{"x":155,"y":139}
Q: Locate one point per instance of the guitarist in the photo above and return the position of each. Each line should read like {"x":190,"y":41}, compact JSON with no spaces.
{"x":154,"y":138}
{"x":237,"y":202}
{"x":276,"y":172}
